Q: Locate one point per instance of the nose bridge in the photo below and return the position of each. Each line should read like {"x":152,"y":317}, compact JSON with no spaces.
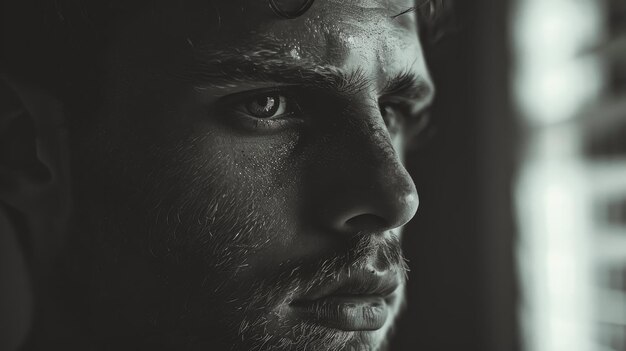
{"x":379,"y":162}
{"x":366,"y":185}
{"x":376,"y":141}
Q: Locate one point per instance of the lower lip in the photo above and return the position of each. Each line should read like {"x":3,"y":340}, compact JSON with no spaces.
{"x":349,"y":313}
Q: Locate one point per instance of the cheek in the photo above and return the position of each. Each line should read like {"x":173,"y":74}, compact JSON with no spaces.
{"x":249,"y":187}
{"x":263,"y":164}
{"x":238,"y":203}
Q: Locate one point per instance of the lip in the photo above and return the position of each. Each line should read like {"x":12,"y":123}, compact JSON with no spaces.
{"x":355,"y":301}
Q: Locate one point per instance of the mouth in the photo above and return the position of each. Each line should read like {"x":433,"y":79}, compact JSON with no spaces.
{"x":358,"y":301}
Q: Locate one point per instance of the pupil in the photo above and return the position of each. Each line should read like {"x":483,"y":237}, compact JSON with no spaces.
{"x":266,"y":103}
{"x":264,"y":106}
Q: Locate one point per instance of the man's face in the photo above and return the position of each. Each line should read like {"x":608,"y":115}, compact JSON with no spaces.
{"x":243,"y":183}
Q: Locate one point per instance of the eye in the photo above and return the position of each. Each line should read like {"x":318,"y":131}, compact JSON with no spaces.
{"x":260,"y":110}
{"x":266,"y":106}
{"x":393,"y":116}
{"x":401,"y":118}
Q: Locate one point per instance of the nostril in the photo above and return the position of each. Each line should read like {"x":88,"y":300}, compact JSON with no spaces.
{"x":366,"y":222}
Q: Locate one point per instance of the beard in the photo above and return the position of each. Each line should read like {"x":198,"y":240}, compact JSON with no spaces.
{"x":174,"y":266}
{"x":262,"y":325}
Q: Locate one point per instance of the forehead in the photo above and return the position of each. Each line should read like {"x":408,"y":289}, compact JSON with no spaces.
{"x":348,"y":35}
{"x":342,"y":20}
{"x":336,"y":33}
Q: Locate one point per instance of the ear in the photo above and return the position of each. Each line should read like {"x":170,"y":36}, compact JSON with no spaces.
{"x":33,"y":144}
{"x":34,"y":164}
{"x":34,"y":199}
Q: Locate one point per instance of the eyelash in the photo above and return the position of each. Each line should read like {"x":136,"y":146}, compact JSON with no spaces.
{"x":403,"y":112}
{"x":237,"y":108}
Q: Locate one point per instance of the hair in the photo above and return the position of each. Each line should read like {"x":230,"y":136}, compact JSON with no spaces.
{"x":58,"y":44}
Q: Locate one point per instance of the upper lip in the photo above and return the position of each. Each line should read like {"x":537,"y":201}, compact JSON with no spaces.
{"x":361,"y":282}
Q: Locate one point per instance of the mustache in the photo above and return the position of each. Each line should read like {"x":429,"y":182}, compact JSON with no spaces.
{"x":302,"y":276}
{"x":386,"y":251}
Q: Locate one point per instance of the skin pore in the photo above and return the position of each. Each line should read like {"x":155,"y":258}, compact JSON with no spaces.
{"x":235,"y":163}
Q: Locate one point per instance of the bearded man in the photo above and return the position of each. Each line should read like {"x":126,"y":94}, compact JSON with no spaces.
{"x":207,"y":174}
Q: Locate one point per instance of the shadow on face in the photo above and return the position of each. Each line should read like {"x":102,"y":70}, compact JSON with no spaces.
{"x":239,"y":181}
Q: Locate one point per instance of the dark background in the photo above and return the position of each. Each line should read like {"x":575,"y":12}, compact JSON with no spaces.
{"x":462,"y":288}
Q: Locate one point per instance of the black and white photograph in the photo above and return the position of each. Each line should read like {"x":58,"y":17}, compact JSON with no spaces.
{"x":313,"y":175}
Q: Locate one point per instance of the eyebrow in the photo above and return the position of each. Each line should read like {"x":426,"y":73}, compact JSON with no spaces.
{"x":222,"y":70}
{"x":409,"y":85}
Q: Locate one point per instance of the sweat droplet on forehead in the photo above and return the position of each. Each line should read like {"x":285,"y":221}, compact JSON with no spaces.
{"x":295,"y":54}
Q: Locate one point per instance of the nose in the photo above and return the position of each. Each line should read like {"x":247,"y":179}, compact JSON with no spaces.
{"x":364,"y":186}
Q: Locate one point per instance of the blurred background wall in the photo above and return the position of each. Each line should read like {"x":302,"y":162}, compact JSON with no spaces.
{"x":520,"y":240}
{"x":570,"y":94}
